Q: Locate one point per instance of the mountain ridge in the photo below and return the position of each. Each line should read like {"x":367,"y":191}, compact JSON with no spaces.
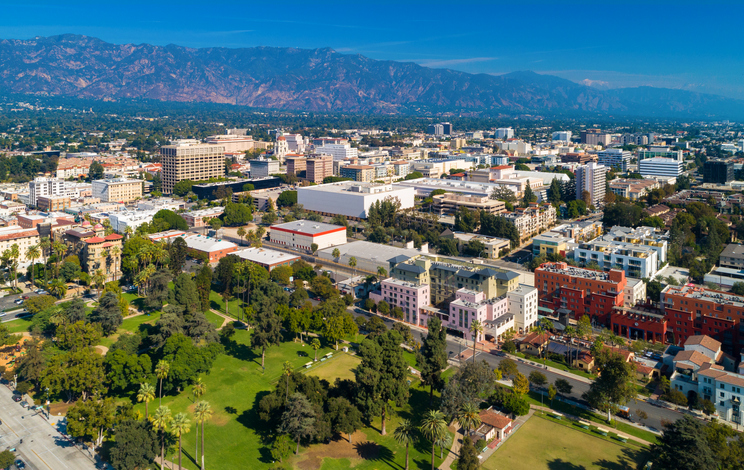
{"x":320,"y":80}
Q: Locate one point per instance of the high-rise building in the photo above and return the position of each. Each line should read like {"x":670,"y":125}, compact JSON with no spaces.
{"x":659,"y":166}
{"x":615,"y":158}
{"x":503,"y":133}
{"x":264,"y":168}
{"x":191,"y":161}
{"x":45,"y":187}
{"x":338,"y":151}
{"x":117,"y":190}
{"x":591,"y":178}
{"x":718,"y":171}
{"x":595,"y":137}
{"x":435,"y":129}
{"x":295,"y":164}
{"x":319,"y":167}
{"x":447,"y":128}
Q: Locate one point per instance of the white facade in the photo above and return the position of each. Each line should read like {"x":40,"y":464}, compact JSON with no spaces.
{"x":614,"y":158}
{"x":295,"y":143}
{"x":264,"y":168}
{"x":351,"y":198}
{"x":301,"y":234}
{"x":281,"y":148}
{"x":504,"y":133}
{"x":232,"y":143}
{"x":121,"y":220}
{"x":25,"y":238}
{"x":659,"y":166}
{"x":562,"y":136}
{"x":635,"y":291}
{"x":591,"y":177}
{"x":338,"y":151}
{"x":637,"y":261}
{"x":523,"y":305}
{"x":45,"y":187}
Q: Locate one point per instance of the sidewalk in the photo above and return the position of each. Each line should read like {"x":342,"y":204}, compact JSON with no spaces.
{"x":576,"y":418}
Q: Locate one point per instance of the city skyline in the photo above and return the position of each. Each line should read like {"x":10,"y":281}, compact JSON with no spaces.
{"x":616,"y":44}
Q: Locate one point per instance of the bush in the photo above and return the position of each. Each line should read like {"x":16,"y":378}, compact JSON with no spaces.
{"x":481,"y":444}
{"x":509,"y":347}
{"x":23,"y":387}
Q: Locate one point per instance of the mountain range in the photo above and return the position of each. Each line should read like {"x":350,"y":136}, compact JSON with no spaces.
{"x":321,"y":80}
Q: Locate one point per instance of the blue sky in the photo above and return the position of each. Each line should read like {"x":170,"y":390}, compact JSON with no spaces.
{"x":677,"y":44}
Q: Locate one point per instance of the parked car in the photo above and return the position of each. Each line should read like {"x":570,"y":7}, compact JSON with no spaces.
{"x":20,"y":464}
{"x":24,"y":404}
{"x":43,"y":292}
{"x":16,"y":398}
{"x":25,"y":297}
{"x":2,"y":314}
{"x":39,"y":291}
{"x":19,"y":301}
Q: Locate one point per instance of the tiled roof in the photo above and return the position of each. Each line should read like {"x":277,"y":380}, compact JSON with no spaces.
{"x":114,"y":236}
{"x":705,"y":341}
{"x":494,"y":419}
{"x":695,"y":357}
{"x":95,"y":240}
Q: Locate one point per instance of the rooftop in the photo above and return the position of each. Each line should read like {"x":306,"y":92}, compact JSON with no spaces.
{"x":733,"y":250}
{"x":307,"y":227}
{"x":575,"y":272}
{"x":703,"y":293}
{"x":265,"y":256}
{"x":207,"y":244}
{"x":705,"y":341}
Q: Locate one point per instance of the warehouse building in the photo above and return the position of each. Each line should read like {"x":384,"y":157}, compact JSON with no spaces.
{"x":350,"y":198}
{"x":302,"y":234}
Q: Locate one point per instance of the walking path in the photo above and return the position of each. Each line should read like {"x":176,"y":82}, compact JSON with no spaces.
{"x":227,"y":320}
{"x":576,"y":418}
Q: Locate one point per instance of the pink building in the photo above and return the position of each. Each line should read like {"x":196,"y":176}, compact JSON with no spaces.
{"x":411,"y":298}
{"x":470,"y":305}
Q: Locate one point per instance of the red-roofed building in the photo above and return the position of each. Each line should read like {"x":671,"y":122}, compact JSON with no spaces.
{"x":494,"y":425}
{"x":96,"y":250}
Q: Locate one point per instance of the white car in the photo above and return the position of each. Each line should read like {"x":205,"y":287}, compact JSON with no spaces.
{"x":19,"y":301}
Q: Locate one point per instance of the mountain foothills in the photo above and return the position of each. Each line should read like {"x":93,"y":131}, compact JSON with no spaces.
{"x":318,"y":80}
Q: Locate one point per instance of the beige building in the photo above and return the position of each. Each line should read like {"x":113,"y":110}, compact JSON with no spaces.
{"x":363,"y":173}
{"x":117,"y":190}
{"x":318,"y":168}
{"x":53,"y":203}
{"x":633,"y":189}
{"x":295,"y":164}
{"x":534,"y":219}
{"x":191,"y":161}
{"x":450,"y":203}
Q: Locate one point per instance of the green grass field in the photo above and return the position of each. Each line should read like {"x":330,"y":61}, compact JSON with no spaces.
{"x":214,"y":319}
{"x":338,"y":367}
{"x":18,"y":325}
{"x":541,"y":443}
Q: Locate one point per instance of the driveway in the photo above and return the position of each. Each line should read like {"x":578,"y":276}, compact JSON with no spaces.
{"x":43,"y":448}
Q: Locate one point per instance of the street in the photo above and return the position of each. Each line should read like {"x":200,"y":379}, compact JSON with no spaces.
{"x":43,"y":448}
{"x":8,"y":302}
{"x":455,"y":347}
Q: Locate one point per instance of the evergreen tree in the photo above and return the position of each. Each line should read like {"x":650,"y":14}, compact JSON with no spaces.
{"x":431,"y":358}
{"x":107,"y":314}
{"x":298,"y":419}
{"x":468,"y":455}
{"x":554,"y":192}
{"x":683,"y":446}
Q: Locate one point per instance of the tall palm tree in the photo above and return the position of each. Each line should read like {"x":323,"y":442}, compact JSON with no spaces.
{"x":33,"y":253}
{"x":315,"y":344}
{"x":442,"y":442}
{"x":146,"y":394}
{"x":160,"y":421}
{"x":14,"y":255}
{"x":199,"y":388}
{"x":128,"y":232}
{"x":476,"y":327}
{"x":115,"y":252}
{"x":353,"y":263}
{"x":59,"y":249}
{"x":241,"y":234}
{"x":202,"y":413}
{"x":161,"y":372}
{"x":160,"y":254}
{"x":287,"y":370}
{"x":405,"y":434}
{"x":181,"y":425}
{"x":99,"y":280}
{"x":433,"y":427}
{"x":469,"y":417}
{"x":44,"y":244}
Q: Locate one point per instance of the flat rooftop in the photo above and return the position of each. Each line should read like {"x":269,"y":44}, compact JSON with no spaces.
{"x":307,"y":227}
{"x":371,"y":251}
{"x":207,"y":244}
{"x":703,"y":293}
{"x":264,"y":256}
{"x":577,"y":272}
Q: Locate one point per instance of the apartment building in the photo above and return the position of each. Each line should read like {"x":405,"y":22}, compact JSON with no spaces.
{"x":104,"y":254}
{"x":578,"y":291}
{"x":635,"y":260}
{"x":696,"y":310}
{"x":732,"y":256}
{"x":188,"y":160}
{"x":117,"y":190}
{"x":550,"y":243}
{"x":24,"y":238}
{"x":450,"y":203}
{"x":411,"y":297}
{"x":202,"y":217}
{"x":591,"y":178}
{"x":532,"y":220}
{"x":318,"y":168}
{"x":580,"y":231}
{"x":633,"y":189}
{"x":44,"y":187}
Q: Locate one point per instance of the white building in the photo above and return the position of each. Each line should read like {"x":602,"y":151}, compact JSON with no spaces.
{"x":635,"y":291}
{"x":660,"y":166}
{"x":591,"y":177}
{"x":637,"y":261}
{"x":562,"y":136}
{"x":338,"y":151}
{"x":264,"y":168}
{"x":24,"y":238}
{"x":295,"y":143}
{"x":302,"y":234}
{"x":117,"y":190}
{"x":504,"y":133}
{"x":45,"y":187}
{"x":233,"y":144}
{"x":351,"y":198}
{"x":121,"y":220}
{"x":614,"y":158}
{"x":281,"y":148}
{"x":523,"y":305}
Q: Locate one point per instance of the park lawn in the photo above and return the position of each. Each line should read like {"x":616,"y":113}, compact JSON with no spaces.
{"x":132,"y":325}
{"x":214,"y":319}
{"x":216,"y":302}
{"x":410,"y":358}
{"x":541,"y":443}
{"x":340,"y":366}
{"x":237,"y":382}
{"x":556,"y":365}
{"x":19,"y":325}
{"x":534,"y":398}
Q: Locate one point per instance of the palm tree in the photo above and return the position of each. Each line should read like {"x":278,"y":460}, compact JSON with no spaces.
{"x":115,"y":252}
{"x":159,"y":254}
{"x":14,"y":255}
{"x":202,"y":413}
{"x":353,"y":263}
{"x":241,"y":234}
{"x":161,"y":372}
{"x":44,"y":244}
{"x":199,"y":388}
{"x":469,"y":417}
{"x":99,"y":280}
{"x":161,"y":420}
{"x":382,"y":272}
{"x":128,"y":232}
{"x":570,"y":332}
{"x":315,"y":345}
{"x":442,"y":442}
{"x":336,"y":254}
{"x":287,"y":370}
{"x":58,"y":288}
{"x":476,"y":327}
{"x":405,"y":434}
{"x":59,"y":249}
{"x":433,"y":427}
{"x":181,"y":425}
{"x":146,"y":394}
{"x":33,"y":253}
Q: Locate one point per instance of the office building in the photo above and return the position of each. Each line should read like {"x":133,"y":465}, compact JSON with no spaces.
{"x":577,"y":291}
{"x":447,"y":128}
{"x":296,"y":164}
{"x":504,"y":133}
{"x":267,"y":259}
{"x":450,"y":203}
{"x":364,"y":173}
{"x":718,"y":171}
{"x":338,"y":151}
{"x":53,"y":203}
{"x":318,"y":168}
{"x":580,"y":158}
{"x":201,"y":218}
{"x":221,"y":188}
{"x":659,"y":166}
{"x":303,"y":234}
{"x":595,"y":137}
{"x":663,"y":152}
{"x":617,"y":159}
{"x":351,"y":198}
{"x":233,"y":144}
{"x":186,"y":160}
{"x":264,"y":168}
{"x":591,"y":178}
{"x":117,"y":190}
{"x":44,"y":187}
{"x":435,"y":129}
{"x":562,"y":136}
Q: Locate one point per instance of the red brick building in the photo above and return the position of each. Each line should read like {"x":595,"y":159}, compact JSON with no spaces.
{"x":579,"y":291}
{"x":639,"y":322}
{"x":696,"y":310}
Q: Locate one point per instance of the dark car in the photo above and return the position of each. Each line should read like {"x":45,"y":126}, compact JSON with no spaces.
{"x":20,"y":464}
{"x":17,"y":398}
